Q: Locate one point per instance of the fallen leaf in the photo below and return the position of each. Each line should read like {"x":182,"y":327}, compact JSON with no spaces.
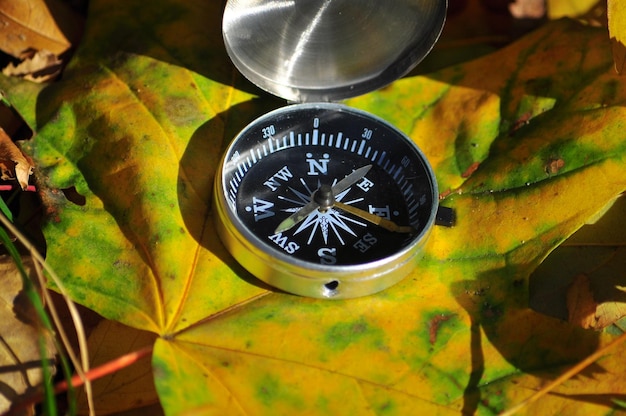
{"x":130,"y":388}
{"x":29,"y":25}
{"x":13,"y":163}
{"x":137,"y":126}
{"x":586,"y":275}
{"x":594,"y":391}
{"x":42,"y":66}
{"x":20,"y":357}
{"x":580,"y":303}
{"x":617,"y":32}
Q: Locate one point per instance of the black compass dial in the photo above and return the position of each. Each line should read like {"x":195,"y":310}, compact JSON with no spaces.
{"x":328,"y":185}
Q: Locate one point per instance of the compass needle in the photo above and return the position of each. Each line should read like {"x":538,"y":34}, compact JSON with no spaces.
{"x":375,"y":219}
{"x":351,"y":179}
{"x":339,"y":187}
{"x":295,"y":218}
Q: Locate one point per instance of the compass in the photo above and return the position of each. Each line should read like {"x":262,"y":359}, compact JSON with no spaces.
{"x":320,"y":199}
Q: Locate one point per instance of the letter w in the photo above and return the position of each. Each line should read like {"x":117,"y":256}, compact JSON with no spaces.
{"x":262,"y":209}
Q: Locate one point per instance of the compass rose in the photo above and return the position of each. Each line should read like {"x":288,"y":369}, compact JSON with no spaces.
{"x":322,"y":222}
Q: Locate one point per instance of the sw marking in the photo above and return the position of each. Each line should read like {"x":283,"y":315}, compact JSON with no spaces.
{"x":283,"y":242}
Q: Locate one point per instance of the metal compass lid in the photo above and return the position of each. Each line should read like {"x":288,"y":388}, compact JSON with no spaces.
{"x":327,"y":50}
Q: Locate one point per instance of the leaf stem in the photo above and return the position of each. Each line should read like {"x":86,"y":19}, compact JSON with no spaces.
{"x":78,"y":380}
{"x":29,"y":188}
{"x":105,"y":369}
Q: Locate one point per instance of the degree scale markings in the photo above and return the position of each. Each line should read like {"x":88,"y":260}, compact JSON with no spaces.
{"x":315,"y":138}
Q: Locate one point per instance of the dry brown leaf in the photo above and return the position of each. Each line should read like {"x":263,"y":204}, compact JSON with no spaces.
{"x":581,"y":306}
{"x":13,"y":163}
{"x":132,"y":387}
{"x":586,"y":311}
{"x":528,"y":9}
{"x":41,"y":66}
{"x":608,"y":313}
{"x":36,"y":25}
{"x":19,"y":351}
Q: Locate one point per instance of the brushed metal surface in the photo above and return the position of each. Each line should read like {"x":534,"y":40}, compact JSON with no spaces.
{"x":327,"y":50}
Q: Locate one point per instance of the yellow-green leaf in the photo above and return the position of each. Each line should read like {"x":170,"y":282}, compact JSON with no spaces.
{"x":526,"y":143}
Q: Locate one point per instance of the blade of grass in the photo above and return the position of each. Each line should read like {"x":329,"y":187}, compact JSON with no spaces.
{"x":5,"y":210}
{"x":49,"y":402}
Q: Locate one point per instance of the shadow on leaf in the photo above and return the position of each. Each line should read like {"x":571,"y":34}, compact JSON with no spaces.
{"x":533,"y":343}
{"x":197,"y":173}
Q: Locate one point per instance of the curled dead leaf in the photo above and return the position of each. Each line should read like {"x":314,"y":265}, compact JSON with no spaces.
{"x":37,"y":25}
{"x":588,"y":312}
{"x":13,"y":163}
{"x":41,"y":66}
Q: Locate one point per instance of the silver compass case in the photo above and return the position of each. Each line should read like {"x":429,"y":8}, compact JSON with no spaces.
{"x":315,"y":52}
{"x":329,"y":50}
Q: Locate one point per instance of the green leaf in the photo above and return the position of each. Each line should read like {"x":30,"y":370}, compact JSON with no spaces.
{"x":526,"y":144}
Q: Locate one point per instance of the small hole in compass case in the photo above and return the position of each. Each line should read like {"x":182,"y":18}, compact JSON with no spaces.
{"x":330,"y":289}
